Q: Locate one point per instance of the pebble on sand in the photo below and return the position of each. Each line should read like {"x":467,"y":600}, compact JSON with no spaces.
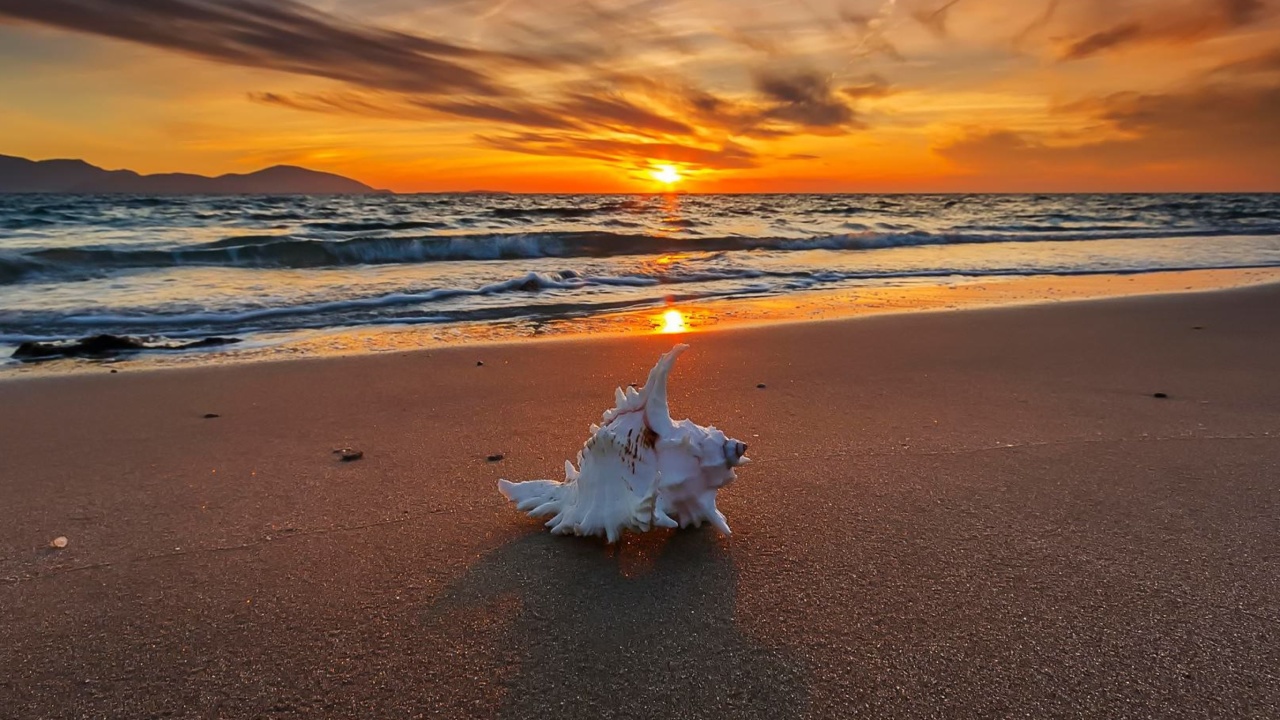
{"x":479,"y":363}
{"x":210,"y":416}
{"x":348,"y":454}
{"x":1159,"y":395}
{"x":496,"y":457}
{"x":760,"y":386}
{"x":58,"y":542}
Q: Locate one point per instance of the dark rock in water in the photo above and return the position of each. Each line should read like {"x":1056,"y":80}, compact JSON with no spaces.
{"x":348,"y":454}
{"x":210,"y":416}
{"x":1159,"y":395}
{"x":496,"y":457}
{"x":107,"y":346}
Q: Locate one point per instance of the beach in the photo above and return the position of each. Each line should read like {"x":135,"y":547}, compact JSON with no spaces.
{"x":984,"y":513}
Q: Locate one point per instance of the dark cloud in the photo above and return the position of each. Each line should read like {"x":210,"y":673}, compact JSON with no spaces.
{"x":283,"y":35}
{"x":1183,"y":23}
{"x":727,"y":155}
{"x":573,"y":111}
{"x":803,"y":98}
{"x":348,"y":103}
{"x":1242,"y":12}
{"x":1103,"y":40}
{"x":1215,"y":130}
{"x":619,"y":113}
{"x":512,"y":113}
{"x":417,"y":108}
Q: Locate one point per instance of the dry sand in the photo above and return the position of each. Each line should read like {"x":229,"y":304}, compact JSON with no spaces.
{"x":974,"y":514}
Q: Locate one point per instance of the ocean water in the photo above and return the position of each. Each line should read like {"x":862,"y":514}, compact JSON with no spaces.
{"x":276,"y":267}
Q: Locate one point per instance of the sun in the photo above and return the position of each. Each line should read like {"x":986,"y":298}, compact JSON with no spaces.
{"x":666,"y":174}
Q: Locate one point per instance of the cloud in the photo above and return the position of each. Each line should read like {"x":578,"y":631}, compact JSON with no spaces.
{"x":871,"y":86}
{"x":1267,"y":62}
{"x":510,"y":112}
{"x":728,"y":155}
{"x":805,"y":98}
{"x":935,"y":19}
{"x":617,"y":112}
{"x":1203,"y":131}
{"x":1102,"y":40}
{"x":576,"y":111}
{"x":283,"y":35}
{"x":612,"y":80}
{"x":1164,"y":24}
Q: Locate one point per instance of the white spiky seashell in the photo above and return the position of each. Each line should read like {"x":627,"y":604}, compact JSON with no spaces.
{"x":639,"y":470}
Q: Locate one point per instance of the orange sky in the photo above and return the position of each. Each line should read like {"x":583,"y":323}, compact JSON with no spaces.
{"x":739,"y":95}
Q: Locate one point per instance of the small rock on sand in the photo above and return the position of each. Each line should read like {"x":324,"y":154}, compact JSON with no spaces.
{"x":348,"y":454}
{"x":210,"y":416}
{"x":496,"y":457}
{"x":1161,"y":396}
{"x":479,"y":363}
{"x":760,"y":386}
{"x":58,"y":542}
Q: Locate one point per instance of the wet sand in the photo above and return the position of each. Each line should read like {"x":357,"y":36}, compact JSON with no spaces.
{"x":974,"y":514}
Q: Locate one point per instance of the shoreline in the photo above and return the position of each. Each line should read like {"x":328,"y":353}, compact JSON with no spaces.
{"x":1064,"y":510}
{"x":954,"y":295}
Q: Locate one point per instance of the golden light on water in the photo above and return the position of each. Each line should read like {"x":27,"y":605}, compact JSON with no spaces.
{"x":666,"y":174}
{"x":673,"y":321}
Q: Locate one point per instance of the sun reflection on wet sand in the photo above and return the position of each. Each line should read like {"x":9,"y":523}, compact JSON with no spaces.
{"x":673,"y":321}
{"x":690,"y":318}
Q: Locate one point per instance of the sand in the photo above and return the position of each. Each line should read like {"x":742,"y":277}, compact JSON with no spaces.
{"x":969,"y":514}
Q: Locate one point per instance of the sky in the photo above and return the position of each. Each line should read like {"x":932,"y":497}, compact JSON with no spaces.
{"x":598,"y":96}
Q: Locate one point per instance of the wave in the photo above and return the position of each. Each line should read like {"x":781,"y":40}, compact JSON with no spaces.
{"x":519,"y":297}
{"x":290,"y":252}
{"x":355,"y":226}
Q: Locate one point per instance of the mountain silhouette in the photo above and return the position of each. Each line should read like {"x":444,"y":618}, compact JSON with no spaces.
{"x":19,"y":175}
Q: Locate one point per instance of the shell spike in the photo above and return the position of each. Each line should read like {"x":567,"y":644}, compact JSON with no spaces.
{"x":657,"y":415}
{"x":719,"y":523}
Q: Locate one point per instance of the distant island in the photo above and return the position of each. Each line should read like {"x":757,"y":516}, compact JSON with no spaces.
{"x":20,"y":175}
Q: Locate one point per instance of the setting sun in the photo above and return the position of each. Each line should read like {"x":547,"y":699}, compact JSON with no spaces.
{"x":667,"y":174}
{"x":673,"y":321}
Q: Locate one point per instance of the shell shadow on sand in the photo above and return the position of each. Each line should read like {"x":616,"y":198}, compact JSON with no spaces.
{"x":646,"y":631}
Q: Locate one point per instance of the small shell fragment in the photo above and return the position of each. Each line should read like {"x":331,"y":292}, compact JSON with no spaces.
{"x":348,"y":454}
{"x":58,"y":542}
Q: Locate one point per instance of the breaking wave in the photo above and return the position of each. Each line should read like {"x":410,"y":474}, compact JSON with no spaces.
{"x":290,"y":252}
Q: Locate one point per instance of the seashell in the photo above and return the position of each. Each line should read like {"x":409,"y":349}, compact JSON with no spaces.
{"x":639,"y":470}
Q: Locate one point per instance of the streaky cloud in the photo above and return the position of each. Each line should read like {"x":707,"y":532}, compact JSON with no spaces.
{"x":727,"y":155}
{"x":283,"y":35}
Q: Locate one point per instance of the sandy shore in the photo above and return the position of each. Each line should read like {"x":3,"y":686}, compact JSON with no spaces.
{"x":976,"y":514}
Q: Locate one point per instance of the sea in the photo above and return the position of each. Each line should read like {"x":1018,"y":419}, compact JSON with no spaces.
{"x":270,"y":270}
